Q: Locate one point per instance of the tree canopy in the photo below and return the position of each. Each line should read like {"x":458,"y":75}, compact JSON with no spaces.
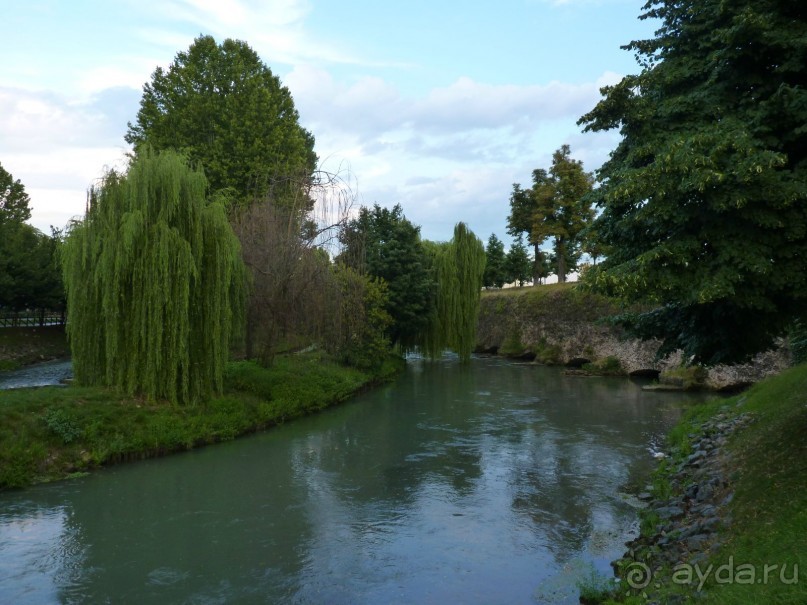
{"x":154,"y":281}
{"x":29,"y":273}
{"x":704,"y":211}
{"x":383,"y":243}
{"x":518,"y":265}
{"x":13,"y":199}
{"x":495,"y":264}
{"x":557,"y":207}
{"x":457,"y":268}
{"x":223,"y":106}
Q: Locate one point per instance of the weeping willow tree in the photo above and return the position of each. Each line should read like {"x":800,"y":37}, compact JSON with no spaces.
{"x":457,"y":267}
{"x":155,"y":283}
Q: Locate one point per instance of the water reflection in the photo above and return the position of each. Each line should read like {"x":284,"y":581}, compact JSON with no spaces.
{"x":477,"y":484}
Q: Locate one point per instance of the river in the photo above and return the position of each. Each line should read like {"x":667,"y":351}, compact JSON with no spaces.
{"x":48,"y":373}
{"x":494,"y":482}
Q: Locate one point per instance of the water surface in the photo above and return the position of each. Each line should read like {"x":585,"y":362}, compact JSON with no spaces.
{"x":490,"y":483}
{"x":43,"y":374}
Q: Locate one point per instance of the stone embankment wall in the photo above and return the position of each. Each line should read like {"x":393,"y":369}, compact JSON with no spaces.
{"x":563,"y":325}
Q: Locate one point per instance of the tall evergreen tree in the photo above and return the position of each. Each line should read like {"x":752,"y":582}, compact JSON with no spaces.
{"x":518,"y":263}
{"x":383,"y":243}
{"x":154,"y":283}
{"x":224,"y":107}
{"x":704,"y":199}
{"x":495,"y":271}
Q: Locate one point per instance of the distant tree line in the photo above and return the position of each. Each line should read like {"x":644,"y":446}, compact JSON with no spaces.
{"x":29,"y":271}
{"x":556,"y":208}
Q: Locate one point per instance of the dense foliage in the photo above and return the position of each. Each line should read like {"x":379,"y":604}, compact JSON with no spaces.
{"x":224,"y":107}
{"x":518,"y":265}
{"x":704,"y":204}
{"x":155,"y":283}
{"x":556,"y":206}
{"x":495,"y":263}
{"x":383,"y":243}
{"x":457,"y":267}
{"x":14,"y":201}
{"x":298,"y":297}
{"x":29,"y":272}
{"x":30,"y":277}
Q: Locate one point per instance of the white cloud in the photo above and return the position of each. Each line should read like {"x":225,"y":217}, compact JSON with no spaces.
{"x":57,"y":148}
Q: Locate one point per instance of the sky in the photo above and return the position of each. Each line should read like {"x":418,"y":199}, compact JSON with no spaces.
{"x":437,"y":105}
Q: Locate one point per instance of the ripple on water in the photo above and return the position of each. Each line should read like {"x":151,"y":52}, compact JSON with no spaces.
{"x":165,"y":576}
{"x":49,"y":373}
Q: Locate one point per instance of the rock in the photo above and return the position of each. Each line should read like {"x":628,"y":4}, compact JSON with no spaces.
{"x":696,"y":542}
{"x":705,"y":492}
{"x":669,"y":512}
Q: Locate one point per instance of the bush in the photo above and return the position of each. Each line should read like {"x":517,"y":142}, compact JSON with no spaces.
{"x":63,"y":425}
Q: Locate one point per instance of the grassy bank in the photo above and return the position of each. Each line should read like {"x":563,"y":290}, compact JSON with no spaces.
{"x":51,"y":433}
{"x":23,"y":346}
{"x":765,"y":523}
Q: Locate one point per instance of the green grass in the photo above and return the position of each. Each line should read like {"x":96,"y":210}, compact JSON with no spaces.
{"x":541,"y":290}
{"x":51,"y":433}
{"x":769,"y":509}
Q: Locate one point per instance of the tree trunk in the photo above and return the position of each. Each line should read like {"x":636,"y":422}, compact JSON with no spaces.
{"x":560,"y":250}
{"x":536,"y":266}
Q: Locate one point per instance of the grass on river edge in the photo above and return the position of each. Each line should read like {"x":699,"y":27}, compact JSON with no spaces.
{"x":51,"y":433}
{"x":768,"y":475}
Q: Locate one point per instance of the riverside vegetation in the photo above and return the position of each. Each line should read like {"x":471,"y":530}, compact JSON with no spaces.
{"x":725,"y":505}
{"x":53,"y":432}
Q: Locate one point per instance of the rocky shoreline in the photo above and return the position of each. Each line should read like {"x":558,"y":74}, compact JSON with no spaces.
{"x":569,"y":327}
{"x":681,"y":526}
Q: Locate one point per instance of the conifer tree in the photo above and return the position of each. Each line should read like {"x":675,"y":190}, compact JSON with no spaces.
{"x":495,"y":274}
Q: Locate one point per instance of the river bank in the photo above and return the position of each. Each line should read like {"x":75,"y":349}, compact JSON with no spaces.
{"x":51,"y":433}
{"x":20,"y":347}
{"x":727,"y":507}
{"x":562,"y":324}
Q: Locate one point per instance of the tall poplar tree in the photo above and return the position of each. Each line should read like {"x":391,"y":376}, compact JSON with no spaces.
{"x":154,"y":282}
{"x":704,"y":203}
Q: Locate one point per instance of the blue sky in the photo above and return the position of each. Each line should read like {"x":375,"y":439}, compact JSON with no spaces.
{"x":437,"y":105}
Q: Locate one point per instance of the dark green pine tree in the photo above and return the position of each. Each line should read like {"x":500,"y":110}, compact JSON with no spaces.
{"x":704,"y":203}
{"x":154,"y":282}
{"x":495,"y":272}
{"x":383,"y":243}
{"x":518,"y":264}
